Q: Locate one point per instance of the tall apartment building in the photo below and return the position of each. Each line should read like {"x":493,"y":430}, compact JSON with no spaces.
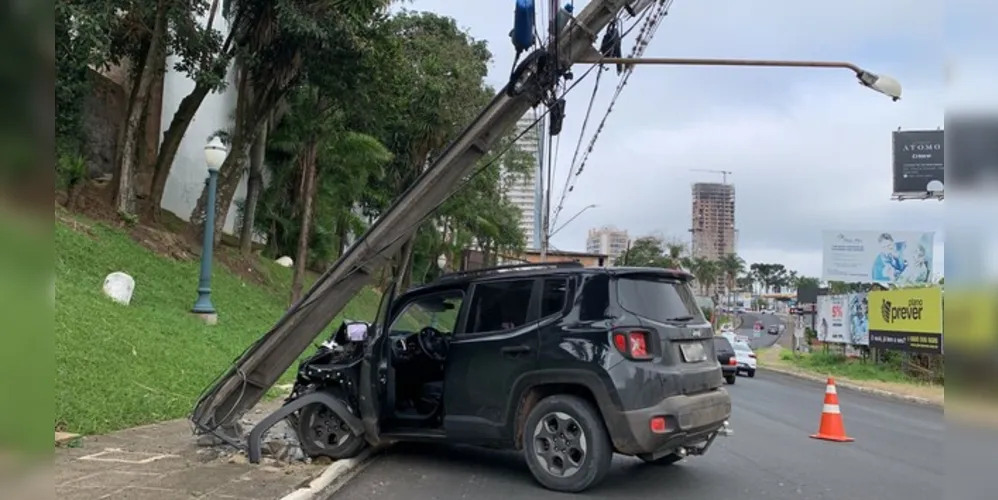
{"x":607,"y":240}
{"x":713,"y":225}
{"x":524,"y":191}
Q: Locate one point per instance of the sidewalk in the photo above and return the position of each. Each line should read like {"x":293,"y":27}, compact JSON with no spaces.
{"x":163,"y":462}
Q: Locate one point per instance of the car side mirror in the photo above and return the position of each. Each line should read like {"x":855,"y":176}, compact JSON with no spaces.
{"x":357,"y":332}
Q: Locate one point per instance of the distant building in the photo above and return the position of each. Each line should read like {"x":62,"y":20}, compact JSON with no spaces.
{"x":607,"y":240}
{"x":713,"y":224}
{"x":524,"y":191}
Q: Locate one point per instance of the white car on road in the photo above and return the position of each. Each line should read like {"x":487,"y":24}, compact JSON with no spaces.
{"x":746,"y":358}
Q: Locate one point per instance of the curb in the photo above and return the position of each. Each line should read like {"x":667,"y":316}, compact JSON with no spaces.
{"x":332,"y":477}
{"x":856,"y":387}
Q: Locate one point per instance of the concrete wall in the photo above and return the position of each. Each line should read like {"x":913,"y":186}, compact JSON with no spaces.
{"x":188,"y":174}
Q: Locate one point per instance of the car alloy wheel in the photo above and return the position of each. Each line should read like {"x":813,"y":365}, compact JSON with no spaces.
{"x":560,"y":445}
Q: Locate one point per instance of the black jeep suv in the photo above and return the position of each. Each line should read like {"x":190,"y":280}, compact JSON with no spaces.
{"x":566,"y":363}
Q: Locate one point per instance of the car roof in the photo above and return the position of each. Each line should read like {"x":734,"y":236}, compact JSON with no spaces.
{"x":464,"y":278}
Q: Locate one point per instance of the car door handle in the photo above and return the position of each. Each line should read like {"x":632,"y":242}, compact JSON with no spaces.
{"x":515,"y":350}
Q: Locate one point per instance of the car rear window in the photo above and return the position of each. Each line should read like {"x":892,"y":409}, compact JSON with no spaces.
{"x":742,"y":347}
{"x":658,"y":299}
{"x":721,"y":344}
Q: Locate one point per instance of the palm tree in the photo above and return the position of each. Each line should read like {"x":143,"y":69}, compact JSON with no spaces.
{"x":731,"y":266}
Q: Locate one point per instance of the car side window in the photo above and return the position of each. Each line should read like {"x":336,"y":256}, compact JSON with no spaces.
{"x":553,"y":296}
{"x":501,"y":305}
{"x":595,"y":298}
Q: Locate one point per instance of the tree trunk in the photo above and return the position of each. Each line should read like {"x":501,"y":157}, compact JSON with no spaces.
{"x":124,"y":201}
{"x":306,"y":194}
{"x":404,"y":274}
{"x":342,"y":232}
{"x":171,"y":144}
{"x":253,"y":189}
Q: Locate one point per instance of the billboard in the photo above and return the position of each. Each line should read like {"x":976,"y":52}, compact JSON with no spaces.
{"x":842,"y":319}
{"x":900,"y":258}
{"x":907,"y":319}
{"x":918,"y":160}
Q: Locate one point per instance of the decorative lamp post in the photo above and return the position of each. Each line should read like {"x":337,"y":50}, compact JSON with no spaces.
{"x":214,"y":155}
{"x":442,"y":262}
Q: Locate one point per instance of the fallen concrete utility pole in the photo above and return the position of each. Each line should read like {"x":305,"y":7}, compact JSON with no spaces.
{"x":248,"y":379}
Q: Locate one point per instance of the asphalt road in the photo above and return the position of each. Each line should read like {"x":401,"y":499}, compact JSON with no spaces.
{"x":764,"y":339}
{"x":898,"y":454}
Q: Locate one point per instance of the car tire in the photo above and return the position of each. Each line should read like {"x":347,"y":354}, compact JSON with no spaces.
{"x":557,"y":429}
{"x":751,"y":373}
{"x":730,"y":379}
{"x":348,"y":445}
{"x":669,"y":459}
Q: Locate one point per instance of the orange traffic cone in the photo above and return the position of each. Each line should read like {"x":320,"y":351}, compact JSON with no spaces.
{"x":831,"y":428}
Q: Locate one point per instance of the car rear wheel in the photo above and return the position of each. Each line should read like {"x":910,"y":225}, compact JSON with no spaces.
{"x":730,"y":379}
{"x":751,"y":373}
{"x":566,"y":445}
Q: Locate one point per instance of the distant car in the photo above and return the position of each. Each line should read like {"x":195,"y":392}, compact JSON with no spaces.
{"x":758,"y":326}
{"x":745,"y":358}
{"x":728,"y":359}
{"x":773,"y":330}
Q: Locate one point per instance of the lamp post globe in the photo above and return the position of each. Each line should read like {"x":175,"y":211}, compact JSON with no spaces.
{"x":442,"y":262}
{"x":215,"y":153}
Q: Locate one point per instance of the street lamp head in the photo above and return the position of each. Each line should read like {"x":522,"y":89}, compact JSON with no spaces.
{"x":442,"y":261}
{"x":215,"y":153}
{"x":881,"y":83}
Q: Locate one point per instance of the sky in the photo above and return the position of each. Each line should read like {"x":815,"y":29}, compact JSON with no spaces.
{"x":810,"y":149}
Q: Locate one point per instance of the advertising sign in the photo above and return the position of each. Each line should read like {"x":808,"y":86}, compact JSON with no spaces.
{"x":842,"y":319}
{"x":907,"y":319}
{"x":918,"y":160}
{"x":900,"y":258}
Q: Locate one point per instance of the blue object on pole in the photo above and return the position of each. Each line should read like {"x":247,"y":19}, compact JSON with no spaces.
{"x":203,"y":304}
{"x":523,"y":25}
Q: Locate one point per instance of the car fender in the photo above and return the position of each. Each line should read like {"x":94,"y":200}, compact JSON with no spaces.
{"x":607,"y":401}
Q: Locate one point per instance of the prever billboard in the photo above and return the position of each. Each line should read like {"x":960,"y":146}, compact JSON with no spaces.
{"x":842,"y":319}
{"x":918,"y":160}
{"x":900,"y":258}
{"x":907,"y":319}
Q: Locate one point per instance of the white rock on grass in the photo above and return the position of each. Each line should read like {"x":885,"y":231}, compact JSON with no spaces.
{"x":119,"y":287}
{"x":285,"y":261}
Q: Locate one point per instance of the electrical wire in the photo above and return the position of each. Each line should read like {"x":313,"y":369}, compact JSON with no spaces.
{"x":648,"y":30}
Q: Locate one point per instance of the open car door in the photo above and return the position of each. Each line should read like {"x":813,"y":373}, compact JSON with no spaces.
{"x":372,"y":388}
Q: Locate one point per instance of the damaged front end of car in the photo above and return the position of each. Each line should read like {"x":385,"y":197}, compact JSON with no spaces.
{"x":323,"y":407}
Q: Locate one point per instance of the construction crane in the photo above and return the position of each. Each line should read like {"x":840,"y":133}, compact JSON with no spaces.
{"x":724,"y":173}
{"x":532,"y":83}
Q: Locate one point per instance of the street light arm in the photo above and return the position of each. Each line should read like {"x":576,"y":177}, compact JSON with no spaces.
{"x":880,"y":83}
{"x":577,"y":214}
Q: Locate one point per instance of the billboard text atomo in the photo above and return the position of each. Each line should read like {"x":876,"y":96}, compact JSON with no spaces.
{"x":907,"y":319}
{"x":898,"y":258}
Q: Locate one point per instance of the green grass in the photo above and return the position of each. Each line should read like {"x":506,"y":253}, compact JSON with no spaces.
{"x":121,"y":366}
{"x":838,"y":365}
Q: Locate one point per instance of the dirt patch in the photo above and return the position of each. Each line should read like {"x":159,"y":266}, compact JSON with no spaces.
{"x":165,"y":243}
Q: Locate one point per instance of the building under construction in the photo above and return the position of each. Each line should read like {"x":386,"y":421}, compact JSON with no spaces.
{"x":713,"y":224}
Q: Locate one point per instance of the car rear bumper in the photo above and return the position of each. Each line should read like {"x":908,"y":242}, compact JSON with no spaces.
{"x":746,"y":367}
{"x":689,"y":420}
{"x":729,"y":369}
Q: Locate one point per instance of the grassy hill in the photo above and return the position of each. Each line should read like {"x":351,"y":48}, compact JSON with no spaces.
{"x":121,"y":366}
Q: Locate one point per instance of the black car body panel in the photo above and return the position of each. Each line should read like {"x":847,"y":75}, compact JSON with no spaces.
{"x":563,"y":341}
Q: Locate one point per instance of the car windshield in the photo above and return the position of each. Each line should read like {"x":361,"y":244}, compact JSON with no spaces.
{"x":742,"y":347}
{"x":438,"y":311}
{"x":658,"y":299}
{"x":722,"y":344}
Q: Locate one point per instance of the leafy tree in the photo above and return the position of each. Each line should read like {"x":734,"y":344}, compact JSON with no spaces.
{"x":273,"y":43}
{"x":646,"y":251}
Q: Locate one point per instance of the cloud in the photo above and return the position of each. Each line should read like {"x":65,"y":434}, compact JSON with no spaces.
{"x":809,"y":148}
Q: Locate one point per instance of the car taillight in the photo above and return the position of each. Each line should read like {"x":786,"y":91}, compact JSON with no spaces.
{"x":732,"y":361}
{"x":633,"y":343}
{"x":751,"y":356}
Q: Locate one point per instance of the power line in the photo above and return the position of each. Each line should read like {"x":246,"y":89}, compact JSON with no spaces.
{"x":644,"y":37}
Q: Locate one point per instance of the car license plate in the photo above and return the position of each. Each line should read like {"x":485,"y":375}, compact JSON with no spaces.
{"x":693,"y":352}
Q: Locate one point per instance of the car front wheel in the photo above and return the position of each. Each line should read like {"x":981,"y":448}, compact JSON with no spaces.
{"x":566,"y":444}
